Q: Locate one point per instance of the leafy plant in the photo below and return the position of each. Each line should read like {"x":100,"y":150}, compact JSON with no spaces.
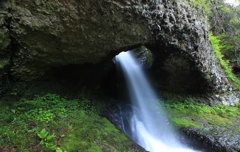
{"x":58,"y":124}
{"x":224,"y":23}
{"x":215,"y":42}
{"x":47,"y":139}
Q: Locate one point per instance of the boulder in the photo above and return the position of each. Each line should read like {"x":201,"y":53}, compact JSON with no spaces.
{"x":144,"y":56}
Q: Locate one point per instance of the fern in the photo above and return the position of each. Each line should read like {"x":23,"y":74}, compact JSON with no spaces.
{"x":216,"y":45}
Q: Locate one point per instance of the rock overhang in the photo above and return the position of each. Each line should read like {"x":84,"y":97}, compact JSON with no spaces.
{"x":51,"y":34}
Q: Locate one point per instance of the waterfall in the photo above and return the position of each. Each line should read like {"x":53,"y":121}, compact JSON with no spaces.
{"x":146,"y":124}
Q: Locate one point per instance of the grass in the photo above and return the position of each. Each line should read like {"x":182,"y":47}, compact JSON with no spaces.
{"x":188,"y":113}
{"x":52,"y":123}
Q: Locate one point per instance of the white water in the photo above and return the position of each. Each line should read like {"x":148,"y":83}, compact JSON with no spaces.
{"x":148,"y":125}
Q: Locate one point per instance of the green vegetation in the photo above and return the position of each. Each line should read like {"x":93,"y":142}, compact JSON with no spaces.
{"x":52,"y":123}
{"x":191,"y":114}
{"x":224,"y":22}
{"x":215,"y":42}
{"x":201,"y":5}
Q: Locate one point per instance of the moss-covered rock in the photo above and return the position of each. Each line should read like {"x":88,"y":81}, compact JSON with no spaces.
{"x":209,"y":128}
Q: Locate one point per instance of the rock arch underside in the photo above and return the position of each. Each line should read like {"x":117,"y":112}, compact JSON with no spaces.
{"x":40,"y":37}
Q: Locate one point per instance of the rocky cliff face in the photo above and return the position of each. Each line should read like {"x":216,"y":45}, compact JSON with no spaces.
{"x":40,"y":35}
{"x":55,"y":33}
{"x":4,"y":39}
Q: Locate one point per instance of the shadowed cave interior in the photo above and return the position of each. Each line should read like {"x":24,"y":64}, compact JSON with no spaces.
{"x":172,"y":71}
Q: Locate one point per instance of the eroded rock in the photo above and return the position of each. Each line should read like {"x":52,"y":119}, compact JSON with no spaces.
{"x":212,"y":139}
{"x":5,"y":41}
{"x":57,"y":33}
{"x":50,"y":34}
{"x":144,"y":56}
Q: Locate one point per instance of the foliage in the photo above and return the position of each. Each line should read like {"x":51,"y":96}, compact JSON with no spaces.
{"x":202,"y":5}
{"x":188,"y":113}
{"x":51,"y":122}
{"x":215,"y":42}
{"x":224,"y":20}
{"x":225,"y":24}
{"x":47,"y":139}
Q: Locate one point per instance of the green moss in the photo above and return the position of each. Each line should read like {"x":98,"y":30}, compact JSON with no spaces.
{"x":238,"y":129}
{"x":53,"y":123}
{"x":188,"y":113}
{"x":184,"y":122}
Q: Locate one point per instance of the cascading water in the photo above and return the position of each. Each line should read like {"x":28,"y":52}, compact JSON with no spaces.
{"x":147,"y":125}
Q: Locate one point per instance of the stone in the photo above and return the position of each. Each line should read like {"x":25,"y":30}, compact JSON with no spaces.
{"x":5,"y":42}
{"x":57,"y":33}
{"x":212,"y":138}
{"x":144,"y":56}
{"x":51,"y":34}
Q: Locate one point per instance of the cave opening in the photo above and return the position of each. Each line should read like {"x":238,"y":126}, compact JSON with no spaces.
{"x":171,"y":71}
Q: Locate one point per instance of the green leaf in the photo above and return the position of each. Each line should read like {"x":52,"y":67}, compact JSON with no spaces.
{"x":30,"y":131}
{"x":43,"y":134}
{"x":59,"y":150}
{"x":50,"y":145}
{"x":13,"y":111}
{"x":50,"y":137}
{"x":42,"y":142}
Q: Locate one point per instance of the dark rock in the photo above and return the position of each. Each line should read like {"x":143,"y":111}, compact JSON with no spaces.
{"x":212,"y":139}
{"x":57,"y":33}
{"x":144,"y":56}
{"x":4,"y":44}
{"x":51,"y":34}
{"x":200,"y":141}
{"x":113,"y":113}
{"x":181,"y":75}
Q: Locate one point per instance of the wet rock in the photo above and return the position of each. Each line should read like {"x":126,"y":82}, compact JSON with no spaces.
{"x":200,"y":141}
{"x":212,"y":139}
{"x":113,"y":113}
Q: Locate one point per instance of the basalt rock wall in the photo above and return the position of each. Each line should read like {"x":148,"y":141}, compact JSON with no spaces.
{"x":37,"y":36}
